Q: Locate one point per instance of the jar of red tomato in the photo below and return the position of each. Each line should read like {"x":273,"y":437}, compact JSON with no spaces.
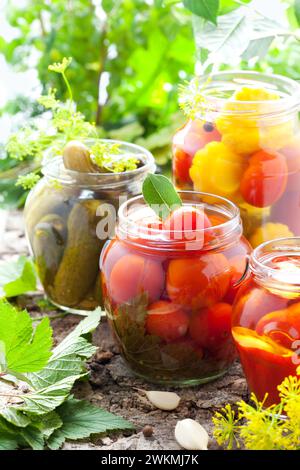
{"x":242,"y":142}
{"x":266,"y":317}
{"x":169,"y":287}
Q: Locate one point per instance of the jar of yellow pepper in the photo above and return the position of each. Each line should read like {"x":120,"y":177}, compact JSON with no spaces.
{"x":242,"y":142}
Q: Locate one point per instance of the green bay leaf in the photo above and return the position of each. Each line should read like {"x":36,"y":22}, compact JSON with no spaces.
{"x":160,"y":194}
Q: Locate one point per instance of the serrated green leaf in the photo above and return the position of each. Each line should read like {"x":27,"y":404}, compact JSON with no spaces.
{"x":26,"y":349}
{"x":297,"y":10}
{"x":33,"y":437}
{"x":66,"y":358}
{"x":15,"y":417}
{"x":226,"y":41}
{"x":160,"y":194}
{"x":56,"y":370}
{"x":81,"y":419}
{"x":69,"y":344}
{"x":17,"y":277}
{"x":47,"y":399}
{"x":258,"y":48}
{"x":207,"y":9}
{"x":47,"y":423}
{"x":8,"y":441}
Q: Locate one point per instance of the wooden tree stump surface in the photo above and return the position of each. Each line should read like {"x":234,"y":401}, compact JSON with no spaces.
{"x":113,"y":387}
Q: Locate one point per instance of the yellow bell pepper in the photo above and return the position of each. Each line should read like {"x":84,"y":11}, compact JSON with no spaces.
{"x":217,"y":169}
{"x":247,"y":134}
{"x":269,"y":231}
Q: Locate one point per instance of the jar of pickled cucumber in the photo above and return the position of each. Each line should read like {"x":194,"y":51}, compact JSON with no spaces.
{"x":242,"y":142}
{"x":71,"y":213}
{"x":168,"y":291}
{"x":266,"y":317}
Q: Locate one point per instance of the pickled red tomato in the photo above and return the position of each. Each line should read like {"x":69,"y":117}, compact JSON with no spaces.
{"x":183,"y":223}
{"x":265,"y":179}
{"x":181,"y":165}
{"x":192,"y":137}
{"x":252,"y":305}
{"x":166,"y":320}
{"x":198,"y":282}
{"x":211,"y":326}
{"x":199,"y":134}
{"x":111,"y":255}
{"x":132,"y":275}
{"x":282,"y":326}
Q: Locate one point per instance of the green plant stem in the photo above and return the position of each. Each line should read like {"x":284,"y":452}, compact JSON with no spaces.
{"x":53,"y":317}
{"x":68,"y":86}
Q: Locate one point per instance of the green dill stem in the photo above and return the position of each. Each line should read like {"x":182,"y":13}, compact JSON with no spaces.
{"x":68,"y":86}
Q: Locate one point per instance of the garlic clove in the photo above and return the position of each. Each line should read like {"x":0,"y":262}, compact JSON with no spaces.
{"x":163,"y":400}
{"x":191,"y":435}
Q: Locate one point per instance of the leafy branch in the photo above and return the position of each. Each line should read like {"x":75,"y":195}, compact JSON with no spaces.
{"x":36,"y":406}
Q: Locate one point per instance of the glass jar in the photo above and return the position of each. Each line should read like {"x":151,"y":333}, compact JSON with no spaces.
{"x":242,"y":142}
{"x":266,"y":317}
{"x":169,"y":301}
{"x":69,"y":216}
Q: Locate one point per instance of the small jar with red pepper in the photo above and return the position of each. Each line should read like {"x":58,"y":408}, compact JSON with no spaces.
{"x":266,"y":317}
{"x":169,"y":286}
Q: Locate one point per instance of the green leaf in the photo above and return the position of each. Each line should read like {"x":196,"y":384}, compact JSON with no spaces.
{"x":86,"y":326}
{"x":26,"y":349}
{"x":14,"y":416}
{"x":47,"y":423}
{"x":226,"y":6}
{"x":66,"y":359}
{"x":8,"y":441}
{"x":33,"y":437}
{"x":226,"y":41}
{"x":47,"y":399}
{"x":207,"y":9}
{"x":297,"y":10}
{"x":160,"y":195}
{"x":17,"y":277}
{"x":81,"y":419}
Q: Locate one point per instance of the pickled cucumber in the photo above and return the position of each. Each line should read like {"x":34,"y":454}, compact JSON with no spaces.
{"x":77,"y":157}
{"x":80,"y":262}
{"x":48,"y":201}
{"x":48,"y":245}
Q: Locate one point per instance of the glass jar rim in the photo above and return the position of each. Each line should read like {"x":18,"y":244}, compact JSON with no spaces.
{"x":156,"y":238}
{"x":268,"y":275}
{"x":208,"y":85}
{"x":53,"y":167}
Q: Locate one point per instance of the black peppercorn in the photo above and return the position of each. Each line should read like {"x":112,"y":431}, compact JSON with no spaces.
{"x":208,"y":127}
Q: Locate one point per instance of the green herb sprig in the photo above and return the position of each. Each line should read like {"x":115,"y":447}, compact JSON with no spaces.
{"x":64,"y":124}
{"x":108,"y":157}
{"x":257,"y":427}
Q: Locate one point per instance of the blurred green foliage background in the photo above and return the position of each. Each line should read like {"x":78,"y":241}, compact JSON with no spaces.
{"x":128,"y":58}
